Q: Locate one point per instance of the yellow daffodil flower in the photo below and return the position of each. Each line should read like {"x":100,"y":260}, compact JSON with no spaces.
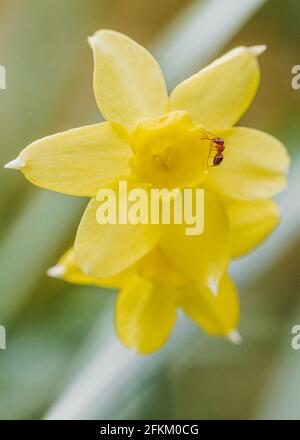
{"x":154,"y":140}
{"x":150,"y":293}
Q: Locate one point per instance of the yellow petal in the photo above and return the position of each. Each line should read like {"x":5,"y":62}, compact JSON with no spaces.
{"x":218,"y":95}
{"x":145,"y":315}
{"x":155,"y":267}
{"x":217,"y":315}
{"x":205,"y":256}
{"x":251,"y":223}
{"x":128,"y":82}
{"x":67,"y":270}
{"x":103,"y":250}
{"x":78,"y":161}
{"x":253,"y":165}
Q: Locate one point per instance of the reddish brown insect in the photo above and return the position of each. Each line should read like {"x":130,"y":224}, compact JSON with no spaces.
{"x":219,"y":145}
{"x":218,"y":159}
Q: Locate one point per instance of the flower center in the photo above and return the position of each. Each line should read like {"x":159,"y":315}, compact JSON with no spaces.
{"x":163,"y":158}
{"x":170,"y":151}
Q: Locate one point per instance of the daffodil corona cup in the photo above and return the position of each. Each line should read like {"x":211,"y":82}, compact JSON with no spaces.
{"x":151,"y":140}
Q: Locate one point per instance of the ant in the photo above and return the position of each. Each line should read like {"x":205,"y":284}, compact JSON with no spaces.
{"x":219,"y":144}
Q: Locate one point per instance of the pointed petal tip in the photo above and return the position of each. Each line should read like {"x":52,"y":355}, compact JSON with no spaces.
{"x":15,"y":164}
{"x":57,"y":271}
{"x":234,"y":337}
{"x":213,"y":286}
{"x":91,"y":40}
{"x":258,"y":50}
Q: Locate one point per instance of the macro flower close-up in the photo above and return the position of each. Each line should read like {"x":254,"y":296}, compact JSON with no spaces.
{"x":187,"y":140}
{"x":150,"y":241}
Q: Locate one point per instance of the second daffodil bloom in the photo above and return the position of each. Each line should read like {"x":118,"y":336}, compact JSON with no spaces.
{"x":150,"y":293}
{"x":154,"y":140}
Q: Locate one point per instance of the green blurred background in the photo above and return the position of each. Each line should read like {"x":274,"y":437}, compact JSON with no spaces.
{"x":55,"y":329}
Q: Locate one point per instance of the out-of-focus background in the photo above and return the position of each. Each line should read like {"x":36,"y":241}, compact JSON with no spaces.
{"x":59,"y":361}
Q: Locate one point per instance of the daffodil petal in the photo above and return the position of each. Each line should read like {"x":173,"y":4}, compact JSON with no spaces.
{"x":219,"y":94}
{"x":203,"y":257}
{"x":155,"y":267}
{"x":253,"y":167}
{"x":251,"y":223}
{"x":67,"y":270}
{"x":128,"y":82}
{"x":217,"y":315}
{"x":78,"y":161}
{"x":102,"y":250}
{"x":145,"y":315}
